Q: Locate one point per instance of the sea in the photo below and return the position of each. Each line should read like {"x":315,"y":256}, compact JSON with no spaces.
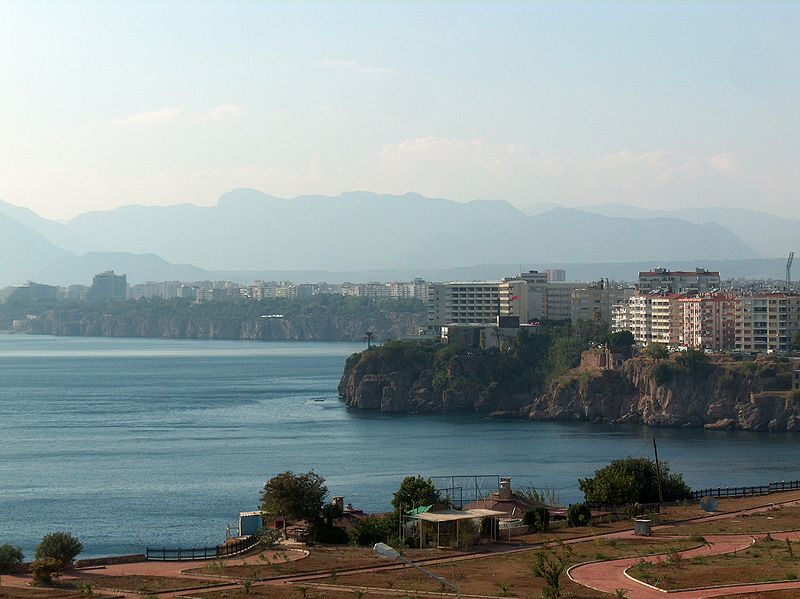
{"x":130,"y":443}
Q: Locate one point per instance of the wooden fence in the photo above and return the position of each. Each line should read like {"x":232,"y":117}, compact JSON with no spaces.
{"x":180,"y":554}
{"x":750,"y":491}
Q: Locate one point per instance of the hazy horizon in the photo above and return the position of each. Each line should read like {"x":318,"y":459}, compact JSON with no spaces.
{"x":658,"y":105}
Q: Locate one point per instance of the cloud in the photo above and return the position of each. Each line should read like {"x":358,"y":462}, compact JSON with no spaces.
{"x":725,"y":162}
{"x":354,"y":67}
{"x":173,"y":114}
{"x":224,"y":112}
{"x":162,"y":115}
{"x":464,"y":169}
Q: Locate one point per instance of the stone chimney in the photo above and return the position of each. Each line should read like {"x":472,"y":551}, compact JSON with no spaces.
{"x":504,"y":493}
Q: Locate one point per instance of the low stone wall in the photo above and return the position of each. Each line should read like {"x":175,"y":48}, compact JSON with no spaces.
{"x":109,"y":561}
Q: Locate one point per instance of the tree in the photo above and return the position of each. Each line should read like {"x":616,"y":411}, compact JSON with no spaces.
{"x":579,"y":514}
{"x":11,"y":556}
{"x":60,"y":546}
{"x":550,"y":563}
{"x":795,"y":344}
{"x":565,"y":354}
{"x":633,"y":480}
{"x":538,"y":519}
{"x":373,"y":529}
{"x":620,"y":340}
{"x":657,"y":351}
{"x":369,"y":335}
{"x":296,"y":496}
{"x":415,"y":491}
{"x":693,"y":360}
{"x":593,"y":330}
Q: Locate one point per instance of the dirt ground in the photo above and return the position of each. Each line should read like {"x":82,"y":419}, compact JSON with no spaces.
{"x":766,"y":561}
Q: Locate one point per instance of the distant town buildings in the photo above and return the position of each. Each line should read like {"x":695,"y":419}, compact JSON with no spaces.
{"x":108,"y":286}
{"x":709,"y":321}
{"x":678,"y":281}
{"x":675,"y":308}
{"x":766,"y":322}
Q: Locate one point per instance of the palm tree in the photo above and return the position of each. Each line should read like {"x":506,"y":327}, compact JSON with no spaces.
{"x":368,"y":335}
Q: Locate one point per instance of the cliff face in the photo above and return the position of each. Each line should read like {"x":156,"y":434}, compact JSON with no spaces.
{"x":715,"y":395}
{"x":724,"y":396}
{"x":291,"y":328}
{"x":407,"y":381}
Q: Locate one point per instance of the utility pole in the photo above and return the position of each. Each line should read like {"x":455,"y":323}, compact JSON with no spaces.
{"x":658,"y":475}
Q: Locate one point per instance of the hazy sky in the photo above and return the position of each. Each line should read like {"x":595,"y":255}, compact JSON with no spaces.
{"x":668,"y":104}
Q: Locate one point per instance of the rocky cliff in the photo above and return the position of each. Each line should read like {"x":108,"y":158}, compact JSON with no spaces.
{"x":718,"y":395}
{"x":683,"y":391}
{"x":303,"y":327}
{"x":418,"y":377}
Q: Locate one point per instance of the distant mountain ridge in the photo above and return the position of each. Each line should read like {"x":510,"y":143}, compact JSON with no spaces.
{"x":250,"y":231}
{"x":771,"y":235}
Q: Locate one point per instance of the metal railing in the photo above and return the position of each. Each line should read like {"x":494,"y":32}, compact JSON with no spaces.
{"x":748,"y":491}
{"x":195,"y":553}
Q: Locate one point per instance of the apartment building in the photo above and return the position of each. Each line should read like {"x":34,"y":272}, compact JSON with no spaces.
{"x":108,"y":286}
{"x":597,"y":301}
{"x":709,"y":321}
{"x":531,"y":297}
{"x":766,"y":322}
{"x":463,"y":303}
{"x":651,"y":317}
{"x":699,"y":280}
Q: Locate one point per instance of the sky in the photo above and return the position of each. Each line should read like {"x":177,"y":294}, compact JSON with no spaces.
{"x":656,"y":104}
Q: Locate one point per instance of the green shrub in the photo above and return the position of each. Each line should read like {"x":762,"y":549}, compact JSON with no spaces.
{"x":538,"y":519}
{"x":10,"y":557}
{"x":372,"y":529}
{"x":579,"y":514}
{"x":633,"y":480}
{"x":45,"y":568}
{"x":60,"y":546}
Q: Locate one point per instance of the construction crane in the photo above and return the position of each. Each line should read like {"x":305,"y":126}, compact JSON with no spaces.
{"x":789,"y":269}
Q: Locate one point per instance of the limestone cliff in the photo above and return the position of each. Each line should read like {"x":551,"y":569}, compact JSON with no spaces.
{"x":720,"y":395}
{"x":687,"y":390}
{"x":302,"y":327}
{"x":417,"y":377}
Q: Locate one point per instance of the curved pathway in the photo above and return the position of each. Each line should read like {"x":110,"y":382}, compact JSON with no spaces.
{"x":610,"y":576}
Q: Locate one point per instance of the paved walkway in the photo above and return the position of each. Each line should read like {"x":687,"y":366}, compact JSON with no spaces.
{"x":610,"y":575}
{"x":604,"y":576}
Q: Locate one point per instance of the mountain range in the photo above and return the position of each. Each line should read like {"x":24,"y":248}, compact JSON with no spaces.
{"x":249,"y":231}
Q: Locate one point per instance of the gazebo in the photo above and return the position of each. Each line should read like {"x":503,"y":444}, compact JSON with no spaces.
{"x":450,"y":516}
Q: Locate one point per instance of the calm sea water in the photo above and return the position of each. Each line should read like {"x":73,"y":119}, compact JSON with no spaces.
{"x":135,"y":442}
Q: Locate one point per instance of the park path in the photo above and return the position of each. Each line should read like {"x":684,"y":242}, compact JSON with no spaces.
{"x":610,"y":575}
{"x":598,"y":575}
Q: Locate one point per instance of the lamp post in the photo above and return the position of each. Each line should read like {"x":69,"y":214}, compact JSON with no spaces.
{"x":384,"y":550}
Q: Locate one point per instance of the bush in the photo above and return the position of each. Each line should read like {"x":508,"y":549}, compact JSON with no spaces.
{"x":633,"y":480}
{"x":538,"y":519}
{"x":334,"y":535}
{"x":45,"y":568}
{"x":10,"y":557}
{"x":579,"y":514}
{"x":373,"y":529}
{"x":60,"y":546}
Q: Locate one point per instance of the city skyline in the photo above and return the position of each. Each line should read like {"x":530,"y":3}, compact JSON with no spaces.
{"x":658,"y":105}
